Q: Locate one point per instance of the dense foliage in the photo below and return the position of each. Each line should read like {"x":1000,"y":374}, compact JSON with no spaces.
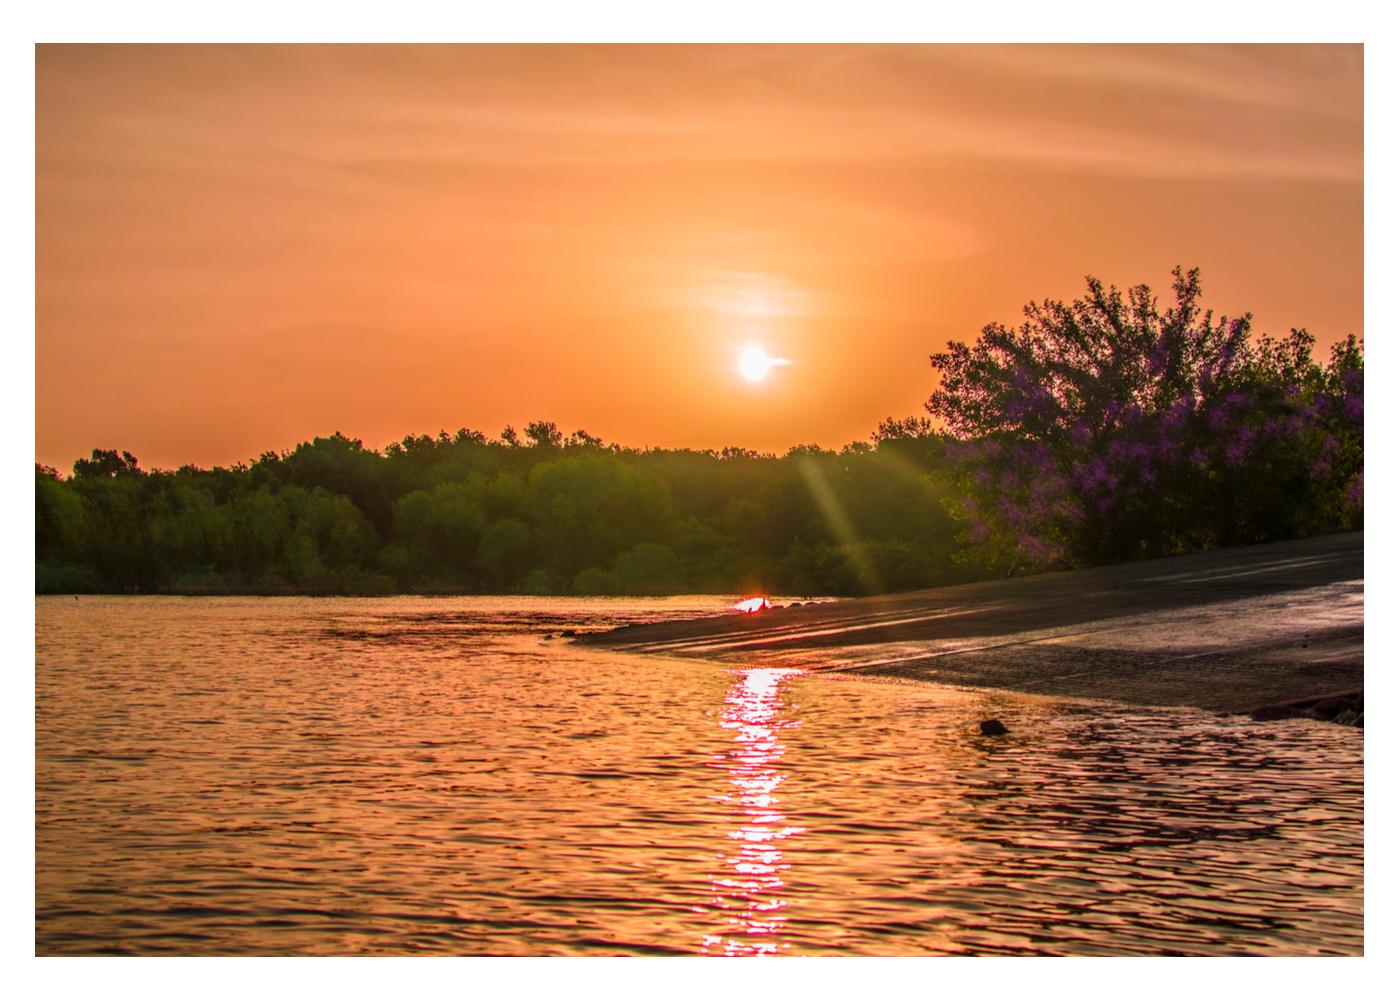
{"x":538,"y":513}
{"x":1107,"y":430}
{"x":1098,"y":431}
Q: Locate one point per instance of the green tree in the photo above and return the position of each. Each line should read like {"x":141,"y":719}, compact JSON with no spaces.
{"x":504,"y":553}
{"x":441,"y":529}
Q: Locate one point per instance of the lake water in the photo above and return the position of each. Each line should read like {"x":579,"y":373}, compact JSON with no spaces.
{"x":440,"y":776}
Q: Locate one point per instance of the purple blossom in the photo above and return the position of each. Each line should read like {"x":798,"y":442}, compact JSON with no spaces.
{"x":1356,"y":492}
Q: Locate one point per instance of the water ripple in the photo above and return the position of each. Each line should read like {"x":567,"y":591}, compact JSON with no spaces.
{"x":228,"y":776}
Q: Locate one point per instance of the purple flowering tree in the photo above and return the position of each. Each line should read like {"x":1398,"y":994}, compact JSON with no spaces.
{"x":1109,"y":429}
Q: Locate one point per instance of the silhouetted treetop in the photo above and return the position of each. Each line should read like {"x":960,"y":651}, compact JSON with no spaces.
{"x":106,"y":464}
{"x":895,"y":429}
{"x":1077,"y":367}
{"x":544,"y":434}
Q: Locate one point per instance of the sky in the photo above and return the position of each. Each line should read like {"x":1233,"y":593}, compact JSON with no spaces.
{"x":242,"y":247}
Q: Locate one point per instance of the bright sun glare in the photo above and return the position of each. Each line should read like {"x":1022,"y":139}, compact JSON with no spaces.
{"x":755,"y":363}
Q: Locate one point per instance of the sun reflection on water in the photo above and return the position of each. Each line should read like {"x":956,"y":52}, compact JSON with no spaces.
{"x":748,"y":888}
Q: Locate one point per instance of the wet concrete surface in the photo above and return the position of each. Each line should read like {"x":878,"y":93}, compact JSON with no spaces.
{"x":1228,"y":630}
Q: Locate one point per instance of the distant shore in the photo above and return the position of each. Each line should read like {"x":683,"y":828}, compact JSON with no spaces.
{"x":1230,"y":630}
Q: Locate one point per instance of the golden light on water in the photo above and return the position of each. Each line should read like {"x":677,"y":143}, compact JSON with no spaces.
{"x":749,"y":887}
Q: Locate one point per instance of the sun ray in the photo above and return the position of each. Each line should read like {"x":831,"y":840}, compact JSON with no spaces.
{"x":839,"y":524}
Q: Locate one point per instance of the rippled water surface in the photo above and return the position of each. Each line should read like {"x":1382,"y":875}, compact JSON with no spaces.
{"x":405,"y":776}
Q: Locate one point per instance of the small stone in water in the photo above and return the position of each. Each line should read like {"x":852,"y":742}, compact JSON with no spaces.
{"x":993,"y":727}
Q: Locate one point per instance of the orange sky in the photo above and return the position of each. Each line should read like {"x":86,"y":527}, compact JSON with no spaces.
{"x":242,"y":247}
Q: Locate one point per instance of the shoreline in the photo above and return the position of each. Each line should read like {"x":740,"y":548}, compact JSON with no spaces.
{"x":1242,"y":630}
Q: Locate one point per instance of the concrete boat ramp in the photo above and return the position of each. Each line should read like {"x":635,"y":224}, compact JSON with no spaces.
{"x":1229,"y":630}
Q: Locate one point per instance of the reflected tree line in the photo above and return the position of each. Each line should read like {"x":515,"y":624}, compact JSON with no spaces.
{"x":1098,"y":431}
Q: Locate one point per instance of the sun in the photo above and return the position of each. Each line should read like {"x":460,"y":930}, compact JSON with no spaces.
{"x":754,"y":363}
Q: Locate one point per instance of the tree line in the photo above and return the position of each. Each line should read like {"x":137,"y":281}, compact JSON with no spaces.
{"x":538,"y":513}
{"x":1101,"y":430}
